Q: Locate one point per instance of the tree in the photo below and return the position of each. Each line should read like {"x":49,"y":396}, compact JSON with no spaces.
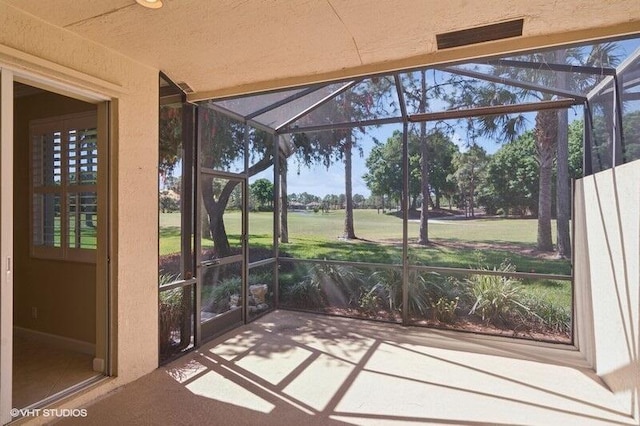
{"x":546,"y":132}
{"x":441,"y":151}
{"x":222,"y":147}
{"x":283,"y":200}
{"x":358,"y":201}
{"x":304,"y":198}
{"x":563,"y":184}
{"x":576,"y":154}
{"x":384,"y":167}
{"x":512,"y":178}
{"x":169,"y":201}
{"x":169,"y":138}
{"x":423,"y":237}
{"x":262,"y":190}
{"x":349,"y":230}
{"x":631,"y":130}
{"x":363,"y":101}
{"x":599,"y":55}
{"x":331,"y":202}
{"x":417,"y":95}
{"x":470,"y":173}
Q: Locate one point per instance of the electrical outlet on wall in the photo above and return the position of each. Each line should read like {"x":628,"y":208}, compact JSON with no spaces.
{"x":34,"y":312}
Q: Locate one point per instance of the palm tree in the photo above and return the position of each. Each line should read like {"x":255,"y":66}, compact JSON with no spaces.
{"x":600,"y":55}
{"x":549,"y":124}
{"x":563,"y":187}
{"x":545,"y":133}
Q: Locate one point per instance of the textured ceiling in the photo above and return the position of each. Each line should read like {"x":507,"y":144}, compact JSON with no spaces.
{"x":222,"y":47}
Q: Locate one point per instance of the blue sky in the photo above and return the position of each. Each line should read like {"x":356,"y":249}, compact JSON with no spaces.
{"x":319,"y":180}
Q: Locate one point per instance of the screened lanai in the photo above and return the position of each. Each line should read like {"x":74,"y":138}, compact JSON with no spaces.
{"x":438,"y":197}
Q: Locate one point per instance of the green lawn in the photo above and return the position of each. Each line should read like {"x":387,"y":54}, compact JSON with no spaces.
{"x":472,"y":243}
{"x":455,"y":243}
{"x":88,"y":237}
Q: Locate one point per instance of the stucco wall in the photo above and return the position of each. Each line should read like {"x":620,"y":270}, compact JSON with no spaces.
{"x":49,"y":51}
{"x":608,"y":265}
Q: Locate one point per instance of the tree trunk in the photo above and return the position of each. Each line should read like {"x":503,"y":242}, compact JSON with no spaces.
{"x":214,"y":222}
{"x":563,"y":189}
{"x":215,"y":210}
{"x":472,"y":206}
{"x":349,"y":232}
{"x":545,"y":133}
{"x":423,"y":238}
{"x":284,"y":206}
{"x":424,"y":188}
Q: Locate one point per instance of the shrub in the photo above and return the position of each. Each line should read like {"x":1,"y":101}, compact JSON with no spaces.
{"x":340,"y":284}
{"x":444,"y":310}
{"x":220,"y":297}
{"x":369,"y":302}
{"x":170,"y":312}
{"x":303,"y":294}
{"x":554,"y":317}
{"x":497,"y":298}
{"x":434,"y":294}
{"x":419,"y":288}
{"x":386,"y":289}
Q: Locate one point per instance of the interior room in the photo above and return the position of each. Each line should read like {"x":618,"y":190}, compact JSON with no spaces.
{"x":54,"y":288}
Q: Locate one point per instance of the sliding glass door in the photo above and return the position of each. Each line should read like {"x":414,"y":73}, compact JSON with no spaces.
{"x":6,"y":244}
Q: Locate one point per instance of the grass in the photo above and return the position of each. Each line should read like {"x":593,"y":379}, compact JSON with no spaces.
{"x":455,"y":242}
{"x":470,"y":243}
{"x":88,"y":237}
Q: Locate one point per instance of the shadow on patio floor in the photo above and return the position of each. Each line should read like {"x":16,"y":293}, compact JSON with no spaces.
{"x":292,"y":368}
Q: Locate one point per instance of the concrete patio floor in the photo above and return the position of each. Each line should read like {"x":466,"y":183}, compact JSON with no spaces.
{"x":291,"y":368}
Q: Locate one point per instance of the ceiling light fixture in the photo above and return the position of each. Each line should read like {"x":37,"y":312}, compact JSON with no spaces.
{"x":151,"y":4}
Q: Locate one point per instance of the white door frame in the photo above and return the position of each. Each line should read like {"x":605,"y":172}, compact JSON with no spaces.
{"x":6,"y":244}
{"x":9,"y":75}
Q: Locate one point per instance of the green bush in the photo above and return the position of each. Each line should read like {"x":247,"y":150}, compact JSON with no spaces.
{"x":435,"y":295}
{"x":554,"y":317}
{"x":420,"y":285}
{"x":296,"y":290}
{"x":444,"y":310}
{"x":170,"y":312}
{"x":216,"y":298}
{"x":386,"y":289}
{"x":303,"y":294}
{"x":497,"y":299}
{"x":369,"y":302}
{"x":341,"y":285}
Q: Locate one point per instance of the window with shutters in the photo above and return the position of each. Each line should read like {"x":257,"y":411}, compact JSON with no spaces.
{"x":64,"y":171}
